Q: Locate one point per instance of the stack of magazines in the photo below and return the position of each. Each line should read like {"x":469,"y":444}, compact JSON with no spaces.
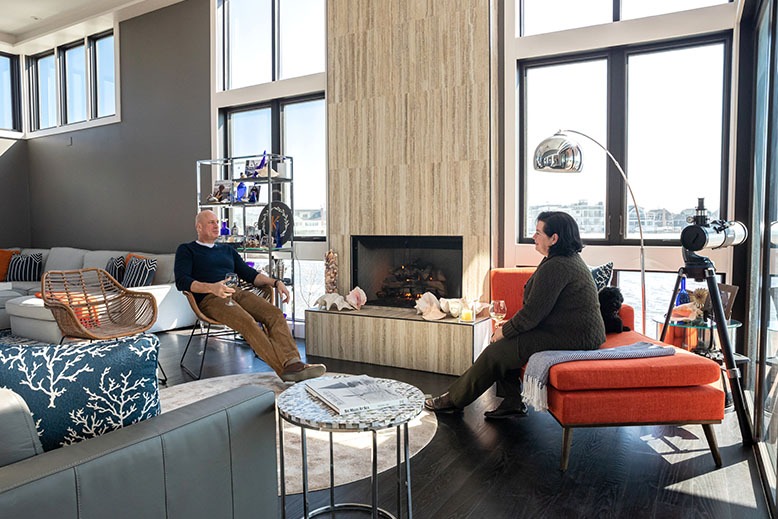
{"x":355,"y":393}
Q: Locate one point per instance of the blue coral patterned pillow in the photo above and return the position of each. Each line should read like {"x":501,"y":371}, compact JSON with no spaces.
{"x":602,"y":275}
{"x":79,"y":391}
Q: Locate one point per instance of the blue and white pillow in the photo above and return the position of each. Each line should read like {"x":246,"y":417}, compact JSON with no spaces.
{"x":79,"y":391}
{"x":115,"y":267}
{"x":602,"y":275}
{"x":25,"y":267}
{"x":140,"y":272}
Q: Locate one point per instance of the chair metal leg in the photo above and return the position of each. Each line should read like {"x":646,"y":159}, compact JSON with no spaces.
{"x":710,"y":435}
{"x":202,"y":359}
{"x":567,"y":442}
{"x":163,"y":378}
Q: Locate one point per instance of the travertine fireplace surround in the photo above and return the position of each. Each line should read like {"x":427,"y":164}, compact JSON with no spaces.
{"x":410,"y":135}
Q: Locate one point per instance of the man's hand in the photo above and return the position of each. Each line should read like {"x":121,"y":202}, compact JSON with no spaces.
{"x":497,"y":335}
{"x":219,"y":289}
{"x":283,"y":291}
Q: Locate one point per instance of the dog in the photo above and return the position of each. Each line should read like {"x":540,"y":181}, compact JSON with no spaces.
{"x":610,"y":303}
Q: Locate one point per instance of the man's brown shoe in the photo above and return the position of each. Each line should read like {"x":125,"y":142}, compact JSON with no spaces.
{"x":299,"y":371}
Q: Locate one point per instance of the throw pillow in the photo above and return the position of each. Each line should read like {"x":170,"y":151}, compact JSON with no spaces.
{"x":602,"y":275}
{"x":79,"y":391}
{"x":5,"y":261}
{"x":139,"y":273}
{"x":116,"y":267}
{"x":25,"y":267}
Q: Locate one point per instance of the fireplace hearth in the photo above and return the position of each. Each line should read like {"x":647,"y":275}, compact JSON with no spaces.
{"x":397,"y":270}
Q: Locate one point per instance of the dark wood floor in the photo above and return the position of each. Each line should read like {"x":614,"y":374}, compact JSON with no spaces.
{"x":475,"y":468}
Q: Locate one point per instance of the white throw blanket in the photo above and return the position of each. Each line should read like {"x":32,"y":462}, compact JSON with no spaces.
{"x":536,"y":375}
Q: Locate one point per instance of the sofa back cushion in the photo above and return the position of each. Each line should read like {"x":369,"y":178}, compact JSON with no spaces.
{"x":164,"y":273}
{"x":98,"y":259}
{"x":77,"y":391}
{"x":20,"y":438}
{"x":23,"y":267}
{"x":43,"y":252}
{"x":65,"y":258}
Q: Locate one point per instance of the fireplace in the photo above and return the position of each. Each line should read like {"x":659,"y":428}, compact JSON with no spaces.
{"x":397,"y":270}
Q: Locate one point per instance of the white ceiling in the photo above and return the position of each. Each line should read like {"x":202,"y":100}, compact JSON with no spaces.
{"x":30,"y":25}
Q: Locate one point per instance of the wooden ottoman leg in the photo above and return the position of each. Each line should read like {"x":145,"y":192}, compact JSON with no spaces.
{"x":710,"y":435}
{"x":567,"y":442}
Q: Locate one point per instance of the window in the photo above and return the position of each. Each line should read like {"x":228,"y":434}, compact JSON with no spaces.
{"x":652,"y":107}
{"x":266,"y":41}
{"x":300,"y":127}
{"x":640,"y":8}
{"x":73,"y":83}
{"x":9,"y":88}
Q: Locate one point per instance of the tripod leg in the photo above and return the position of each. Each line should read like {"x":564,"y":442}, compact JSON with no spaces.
{"x":669,"y":313}
{"x":738,"y":397}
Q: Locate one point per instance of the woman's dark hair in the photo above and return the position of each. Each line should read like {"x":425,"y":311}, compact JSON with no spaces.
{"x":566,"y":228}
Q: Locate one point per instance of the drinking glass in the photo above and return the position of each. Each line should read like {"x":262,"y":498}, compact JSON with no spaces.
{"x":231,"y":280}
{"x":497,"y":311}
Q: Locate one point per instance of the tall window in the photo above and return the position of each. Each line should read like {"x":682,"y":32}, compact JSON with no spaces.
{"x":73,"y":83}
{"x":9,"y":88}
{"x":269,"y":40}
{"x":654,"y":108}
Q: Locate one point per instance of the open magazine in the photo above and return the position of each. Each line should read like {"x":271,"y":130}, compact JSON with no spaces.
{"x":355,"y":393}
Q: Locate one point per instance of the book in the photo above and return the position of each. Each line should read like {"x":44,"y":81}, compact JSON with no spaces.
{"x":354,"y":393}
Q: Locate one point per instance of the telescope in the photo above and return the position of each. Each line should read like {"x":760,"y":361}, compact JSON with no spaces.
{"x":706,"y":234}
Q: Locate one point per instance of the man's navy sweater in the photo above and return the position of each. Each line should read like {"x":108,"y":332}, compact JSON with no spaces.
{"x":195,"y":262}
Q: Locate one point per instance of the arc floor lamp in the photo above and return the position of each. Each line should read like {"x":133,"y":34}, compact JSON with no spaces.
{"x":561,"y":153}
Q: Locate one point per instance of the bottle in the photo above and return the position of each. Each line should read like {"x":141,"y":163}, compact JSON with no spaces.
{"x":683,"y":295}
{"x":235,"y":231}
{"x":224,"y":231}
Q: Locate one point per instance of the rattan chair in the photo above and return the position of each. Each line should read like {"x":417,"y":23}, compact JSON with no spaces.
{"x":204,"y":320}
{"x":91,"y":304}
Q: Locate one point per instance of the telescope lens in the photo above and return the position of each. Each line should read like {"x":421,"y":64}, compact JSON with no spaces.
{"x":696,"y":237}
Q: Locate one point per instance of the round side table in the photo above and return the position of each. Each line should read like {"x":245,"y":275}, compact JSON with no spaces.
{"x":297,"y":407}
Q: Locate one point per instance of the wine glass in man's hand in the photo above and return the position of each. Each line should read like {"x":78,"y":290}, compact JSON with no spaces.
{"x":231,"y":280}
{"x":497,"y":311}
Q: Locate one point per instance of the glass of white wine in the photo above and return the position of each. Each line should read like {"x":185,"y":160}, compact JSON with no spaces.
{"x":231,"y":280}
{"x":497,"y":311}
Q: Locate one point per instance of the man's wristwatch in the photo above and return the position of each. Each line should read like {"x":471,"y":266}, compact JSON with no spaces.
{"x":275,"y":283}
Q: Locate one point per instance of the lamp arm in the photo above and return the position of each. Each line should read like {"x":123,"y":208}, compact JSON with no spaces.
{"x":637,"y":214}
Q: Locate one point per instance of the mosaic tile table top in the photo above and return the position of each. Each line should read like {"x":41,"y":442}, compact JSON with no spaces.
{"x":296,"y":405}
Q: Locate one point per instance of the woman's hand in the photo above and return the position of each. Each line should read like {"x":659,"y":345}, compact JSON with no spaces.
{"x":497,"y":334}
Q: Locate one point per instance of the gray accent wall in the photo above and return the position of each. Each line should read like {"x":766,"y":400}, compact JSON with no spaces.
{"x":131,"y":185}
{"x":15,"y":205}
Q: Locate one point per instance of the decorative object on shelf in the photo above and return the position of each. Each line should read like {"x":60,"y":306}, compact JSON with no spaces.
{"x":728,"y":293}
{"x":330,"y":301}
{"x":234,"y":231}
{"x":330,"y":272}
{"x":281,"y":222}
{"x":429,"y":307}
{"x":254,"y":194}
{"x":562,"y":154}
{"x":221,"y":192}
{"x":683,"y":296}
{"x":452,"y":307}
{"x":468,"y":313}
{"x":253,"y":166}
{"x":240,"y":192}
{"x":224,"y":231}
{"x":356,"y":298}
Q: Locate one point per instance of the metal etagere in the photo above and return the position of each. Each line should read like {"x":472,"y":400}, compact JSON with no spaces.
{"x":253,"y":198}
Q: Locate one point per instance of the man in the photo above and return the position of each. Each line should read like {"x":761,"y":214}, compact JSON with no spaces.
{"x":200,"y":268}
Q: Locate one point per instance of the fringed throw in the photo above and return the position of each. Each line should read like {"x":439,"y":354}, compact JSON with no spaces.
{"x":536,"y":375}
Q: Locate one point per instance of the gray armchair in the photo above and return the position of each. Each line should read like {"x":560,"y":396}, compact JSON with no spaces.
{"x":210,"y":459}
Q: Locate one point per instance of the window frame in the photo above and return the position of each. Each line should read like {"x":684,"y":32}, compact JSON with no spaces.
{"x":92,"y":87}
{"x":16,"y":92}
{"x":616,"y":200}
{"x":34,"y":75}
{"x":62,"y":71}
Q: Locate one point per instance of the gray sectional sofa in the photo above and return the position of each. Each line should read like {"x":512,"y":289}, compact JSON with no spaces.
{"x":213,"y":458}
{"x":26,"y":315}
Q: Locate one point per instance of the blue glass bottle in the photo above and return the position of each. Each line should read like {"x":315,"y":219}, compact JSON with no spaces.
{"x":683,"y":295}
{"x":240,"y":192}
{"x":224,"y":231}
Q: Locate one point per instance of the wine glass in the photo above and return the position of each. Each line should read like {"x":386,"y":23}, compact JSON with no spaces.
{"x":497,"y":311}
{"x":231,"y":280}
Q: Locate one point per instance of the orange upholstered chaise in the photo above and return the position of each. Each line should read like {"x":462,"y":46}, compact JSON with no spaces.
{"x":679,"y":389}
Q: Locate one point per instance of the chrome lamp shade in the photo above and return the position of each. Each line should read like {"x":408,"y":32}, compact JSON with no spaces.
{"x":558,"y":154}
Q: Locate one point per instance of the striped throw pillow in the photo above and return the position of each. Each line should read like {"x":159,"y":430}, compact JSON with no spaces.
{"x":140,"y":272}
{"x":25,"y":267}
{"x":115,"y":267}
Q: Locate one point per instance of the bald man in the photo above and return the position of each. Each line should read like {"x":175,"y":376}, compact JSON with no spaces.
{"x":200,"y":268}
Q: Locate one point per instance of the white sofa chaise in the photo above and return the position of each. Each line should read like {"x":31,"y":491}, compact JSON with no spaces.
{"x":26,"y":316}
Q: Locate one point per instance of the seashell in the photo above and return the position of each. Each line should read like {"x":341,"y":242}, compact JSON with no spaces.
{"x":356,"y":298}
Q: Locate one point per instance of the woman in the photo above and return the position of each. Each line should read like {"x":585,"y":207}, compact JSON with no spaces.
{"x":560,"y":312}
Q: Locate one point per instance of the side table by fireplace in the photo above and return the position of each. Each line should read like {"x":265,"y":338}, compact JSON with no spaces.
{"x":298,"y":407}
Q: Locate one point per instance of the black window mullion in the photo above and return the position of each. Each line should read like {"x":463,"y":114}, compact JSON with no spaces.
{"x":616,"y":201}
{"x":91,"y":74}
{"x":275,"y":9}
{"x":275,"y":126}
{"x":60,"y":64}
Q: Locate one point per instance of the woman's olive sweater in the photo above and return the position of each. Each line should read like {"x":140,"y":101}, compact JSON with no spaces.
{"x":560,"y":307}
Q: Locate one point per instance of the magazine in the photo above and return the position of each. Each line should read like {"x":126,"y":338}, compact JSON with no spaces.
{"x":353,"y":393}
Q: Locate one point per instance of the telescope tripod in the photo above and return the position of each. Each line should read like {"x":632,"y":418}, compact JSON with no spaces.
{"x":700,"y":268}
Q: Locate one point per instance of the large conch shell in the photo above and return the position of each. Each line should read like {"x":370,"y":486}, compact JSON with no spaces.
{"x":327,"y":301}
{"x":356,"y":298}
{"x":429,"y":308}
{"x":452,"y":307}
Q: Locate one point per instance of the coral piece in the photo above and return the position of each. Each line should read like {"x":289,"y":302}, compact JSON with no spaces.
{"x":328,"y":301}
{"x":331,"y":272}
{"x":356,"y":298}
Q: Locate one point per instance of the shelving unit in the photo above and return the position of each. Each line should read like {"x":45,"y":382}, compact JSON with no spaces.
{"x":264,"y":219}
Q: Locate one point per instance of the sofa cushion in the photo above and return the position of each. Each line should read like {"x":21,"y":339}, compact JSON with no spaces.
{"x":97,"y":259}
{"x":165,"y":263}
{"x":683,"y":369}
{"x":7,"y":295}
{"x":115,"y":267}
{"x":65,"y":258}
{"x":139,"y":272}
{"x":25,"y":267}
{"x":43,"y":252}
{"x":20,"y":438}
{"x":5,"y":261}
{"x":26,"y":287}
{"x":77,"y":391}
{"x":602,"y":275}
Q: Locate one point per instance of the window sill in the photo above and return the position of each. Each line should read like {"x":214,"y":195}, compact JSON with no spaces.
{"x":102,"y":121}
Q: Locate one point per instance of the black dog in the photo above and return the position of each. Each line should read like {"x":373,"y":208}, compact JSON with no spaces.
{"x":610,"y":303}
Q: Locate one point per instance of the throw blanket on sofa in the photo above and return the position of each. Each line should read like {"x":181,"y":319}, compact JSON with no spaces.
{"x":536,"y":375}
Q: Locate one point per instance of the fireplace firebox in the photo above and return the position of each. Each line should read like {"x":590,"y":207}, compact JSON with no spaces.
{"x":397,"y":270}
